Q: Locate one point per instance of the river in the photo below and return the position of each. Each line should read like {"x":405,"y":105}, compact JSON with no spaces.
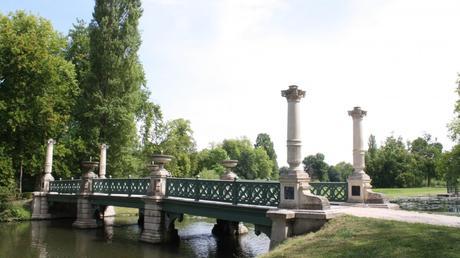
{"x":57,"y":238}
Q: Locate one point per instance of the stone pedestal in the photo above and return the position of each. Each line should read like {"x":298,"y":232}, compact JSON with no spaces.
{"x":40,"y":206}
{"x":86,"y":217}
{"x":359,"y":183}
{"x":295,"y":187}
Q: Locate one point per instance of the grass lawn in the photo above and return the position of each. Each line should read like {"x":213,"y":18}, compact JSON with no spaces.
{"x":394,"y":193}
{"x":349,"y":236}
{"x":123,"y":211}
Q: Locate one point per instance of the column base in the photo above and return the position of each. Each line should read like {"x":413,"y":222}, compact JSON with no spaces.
{"x":296,"y":194}
{"x":360,"y":190}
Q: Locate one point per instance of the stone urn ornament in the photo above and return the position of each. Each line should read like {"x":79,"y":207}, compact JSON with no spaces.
{"x":160,"y":161}
{"x":229,"y":164}
{"x":88,"y":168}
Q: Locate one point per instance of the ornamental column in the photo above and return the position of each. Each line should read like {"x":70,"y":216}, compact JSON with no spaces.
{"x":108,"y":211}
{"x":295,"y":189}
{"x":47,"y":177}
{"x":103,"y":161}
{"x":359,"y":183}
{"x":40,"y":199}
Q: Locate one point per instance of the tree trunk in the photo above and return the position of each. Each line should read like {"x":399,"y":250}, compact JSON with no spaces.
{"x":20,"y":178}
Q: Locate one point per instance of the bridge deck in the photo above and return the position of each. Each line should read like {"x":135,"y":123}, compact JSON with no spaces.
{"x":220,"y":210}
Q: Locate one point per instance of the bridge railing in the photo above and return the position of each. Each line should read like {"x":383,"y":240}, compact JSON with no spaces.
{"x":263,"y":193}
{"x":130,"y":186}
{"x":333,"y":191}
{"x":65,"y":186}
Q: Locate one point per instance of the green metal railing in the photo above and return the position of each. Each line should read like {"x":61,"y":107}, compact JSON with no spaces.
{"x":65,"y":186}
{"x":138,"y":186}
{"x":263,"y":193}
{"x":333,"y":191}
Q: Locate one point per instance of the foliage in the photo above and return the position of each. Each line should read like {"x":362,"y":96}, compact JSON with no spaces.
{"x":211,"y":160}
{"x":316,"y":167}
{"x":349,"y":236}
{"x":113,"y":90}
{"x":263,"y":140}
{"x":426,"y":153}
{"x":344,"y":169}
{"x":449,"y":166}
{"x":37,"y":89}
{"x":14,"y":212}
{"x":209,"y":174}
{"x":252,"y":162}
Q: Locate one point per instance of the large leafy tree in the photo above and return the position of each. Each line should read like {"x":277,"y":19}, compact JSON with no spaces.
{"x":426,"y":152}
{"x":316,"y":167}
{"x":37,"y":89}
{"x":263,"y":141}
{"x":114,"y":93}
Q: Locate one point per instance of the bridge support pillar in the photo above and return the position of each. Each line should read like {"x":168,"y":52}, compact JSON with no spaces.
{"x":158,"y":227}
{"x":108,"y":211}
{"x":359,"y":183}
{"x":225,"y":228}
{"x":40,"y":206}
{"x":86,"y":217}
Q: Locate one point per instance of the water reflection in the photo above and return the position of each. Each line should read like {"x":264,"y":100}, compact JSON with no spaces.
{"x":119,"y":238}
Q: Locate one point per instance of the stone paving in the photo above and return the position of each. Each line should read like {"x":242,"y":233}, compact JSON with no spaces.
{"x":403,"y":215}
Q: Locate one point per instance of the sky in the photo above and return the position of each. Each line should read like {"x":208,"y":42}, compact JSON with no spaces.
{"x":222,"y":65}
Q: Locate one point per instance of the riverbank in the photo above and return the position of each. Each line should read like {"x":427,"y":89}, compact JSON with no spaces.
{"x":18,"y":210}
{"x":350,"y":236}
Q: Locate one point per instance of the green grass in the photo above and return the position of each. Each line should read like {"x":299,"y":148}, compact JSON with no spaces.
{"x":394,"y":193}
{"x":123,"y":211}
{"x":349,"y":236}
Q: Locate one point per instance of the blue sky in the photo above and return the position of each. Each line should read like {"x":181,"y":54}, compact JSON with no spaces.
{"x":222,"y":65}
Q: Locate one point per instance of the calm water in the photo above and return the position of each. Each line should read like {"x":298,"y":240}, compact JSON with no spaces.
{"x":434,"y":204}
{"x":57,"y":238}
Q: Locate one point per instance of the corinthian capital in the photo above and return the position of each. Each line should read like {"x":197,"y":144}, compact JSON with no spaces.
{"x":357,"y":112}
{"x":293,"y":93}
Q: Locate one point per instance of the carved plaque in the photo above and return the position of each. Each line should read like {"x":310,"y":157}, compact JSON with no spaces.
{"x":289,"y":193}
{"x":355,"y":190}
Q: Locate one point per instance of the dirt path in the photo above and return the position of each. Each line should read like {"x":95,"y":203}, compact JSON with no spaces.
{"x":402,"y":215}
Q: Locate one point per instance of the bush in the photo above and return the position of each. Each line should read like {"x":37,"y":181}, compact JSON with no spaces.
{"x":14,"y":213}
{"x":406,"y":180}
{"x":208,"y":174}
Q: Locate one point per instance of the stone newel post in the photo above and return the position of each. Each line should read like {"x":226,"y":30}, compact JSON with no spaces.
{"x":47,"y":177}
{"x":359,"y":183}
{"x":295,"y":189}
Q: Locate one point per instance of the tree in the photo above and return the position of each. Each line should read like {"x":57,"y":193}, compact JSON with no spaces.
{"x":263,"y":141}
{"x":449,"y":166}
{"x":37,"y":89}
{"x":211,"y":160}
{"x":114,"y":95}
{"x":425,"y":152}
{"x":344,"y":169}
{"x":316,"y":167}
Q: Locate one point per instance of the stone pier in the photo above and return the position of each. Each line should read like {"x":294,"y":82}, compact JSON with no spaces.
{"x":40,"y":209}
{"x":86,"y":217}
{"x":224,"y":227}
{"x":158,"y":225}
{"x":359,"y":183}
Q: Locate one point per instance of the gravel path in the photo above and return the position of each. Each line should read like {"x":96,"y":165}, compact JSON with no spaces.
{"x":402,"y":215}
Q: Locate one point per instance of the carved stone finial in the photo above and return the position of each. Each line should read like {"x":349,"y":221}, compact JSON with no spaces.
{"x":357,"y":112}
{"x":293,"y":93}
